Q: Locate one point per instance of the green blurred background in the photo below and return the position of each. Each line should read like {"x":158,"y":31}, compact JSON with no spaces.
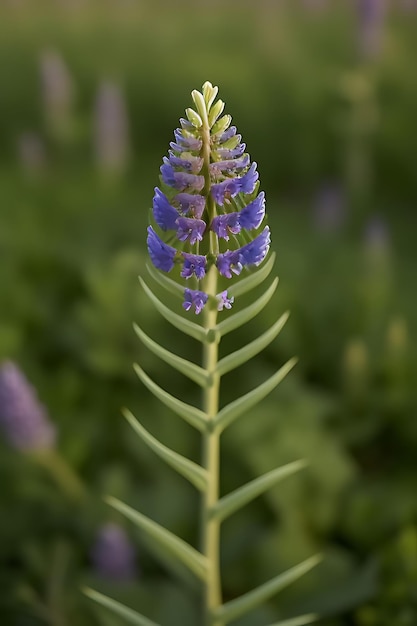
{"x":325,"y":96}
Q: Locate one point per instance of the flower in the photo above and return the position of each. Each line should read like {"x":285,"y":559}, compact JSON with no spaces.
{"x":190,"y":228}
{"x":228,"y":262}
{"x":112,"y":555}
{"x":230,"y":187}
{"x":223,"y":301}
{"x":194,"y":264}
{"x":164,"y":213}
{"x":194,"y":298}
{"x":209,"y":194}
{"x":23,"y":418}
{"x":180,"y":180}
{"x":223,"y":224}
{"x":191,"y":204}
{"x":248,"y":218}
{"x":162,"y":255}
{"x":255,"y":251}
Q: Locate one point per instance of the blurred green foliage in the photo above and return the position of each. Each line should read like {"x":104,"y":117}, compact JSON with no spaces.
{"x":334,"y":137}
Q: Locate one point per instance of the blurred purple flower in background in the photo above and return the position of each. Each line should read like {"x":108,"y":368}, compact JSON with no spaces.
{"x":329,"y":209}
{"x":57,"y":93}
{"x":113,"y":555}
{"x":23,"y":419}
{"x":371,"y":18}
{"x":111,"y":128}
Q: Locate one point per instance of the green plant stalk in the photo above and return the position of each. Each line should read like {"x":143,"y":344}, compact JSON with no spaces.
{"x":210,"y":527}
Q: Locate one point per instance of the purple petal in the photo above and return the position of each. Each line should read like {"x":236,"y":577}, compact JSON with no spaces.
{"x":252,"y":215}
{"x":255,"y":251}
{"x":228,"y":262}
{"x":162,"y":255}
{"x":164,"y":213}
{"x":188,"y":227}
{"x":249,"y":180}
{"x":194,"y":298}
{"x":194,"y":264}
{"x":228,"y":134}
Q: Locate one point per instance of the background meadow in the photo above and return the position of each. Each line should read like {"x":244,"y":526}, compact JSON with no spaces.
{"x":324,"y":94}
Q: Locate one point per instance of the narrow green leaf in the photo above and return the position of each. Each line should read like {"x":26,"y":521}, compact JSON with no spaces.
{"x":241,"y":496}
{"x":253,"y":279}
{"x":301,"y":620}
{"x":190,"y":470}
{"x":246,"y":314}
{"x":192,"y":370}
{"x":233,"y":410}
{"x":235,"y":608}
{"x":119,"y":609}
{"x":231,"y":361}
{"x":170,"y":285}
{"x":187,"y":327}
{"x":190,"y":414}
{"x":193,"y":559}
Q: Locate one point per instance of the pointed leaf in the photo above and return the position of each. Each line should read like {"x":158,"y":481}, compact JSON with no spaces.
{"x":192,"y":370}
{"x":235,"y":608}
{"x":189,"y":413}
{"x":231,"y":361}
{"x":170,"y":285}
{"x":194,"y":560}
{"x":187,"y":327}
{"x":233,"y":410}
{"x":254,"y":279}
{"x":132,"y":617}
{"x":241,"y":496}
{"x":246,"y":314}
{"x":301,"y":620}
{"x":190,"y":470}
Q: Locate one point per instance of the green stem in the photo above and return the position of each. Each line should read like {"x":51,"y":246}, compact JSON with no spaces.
{"x":210,"y":527}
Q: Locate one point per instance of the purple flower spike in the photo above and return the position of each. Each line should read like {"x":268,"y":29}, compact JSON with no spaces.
{"x":224,"y":302}
{"x":180,"y":180}
{"x":190,"y":228}
{"x":194,"y":264}
{"x":228,"y":262}
{"x":162,"y":255}
{"x":255,"y":251}
{"x":222,"y":225}
{"x":22,"y":417}
{"x":164,"y":213}
{"x":252,"y":215}
{"x":192,"y":204}
{"x":194,"y":298}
